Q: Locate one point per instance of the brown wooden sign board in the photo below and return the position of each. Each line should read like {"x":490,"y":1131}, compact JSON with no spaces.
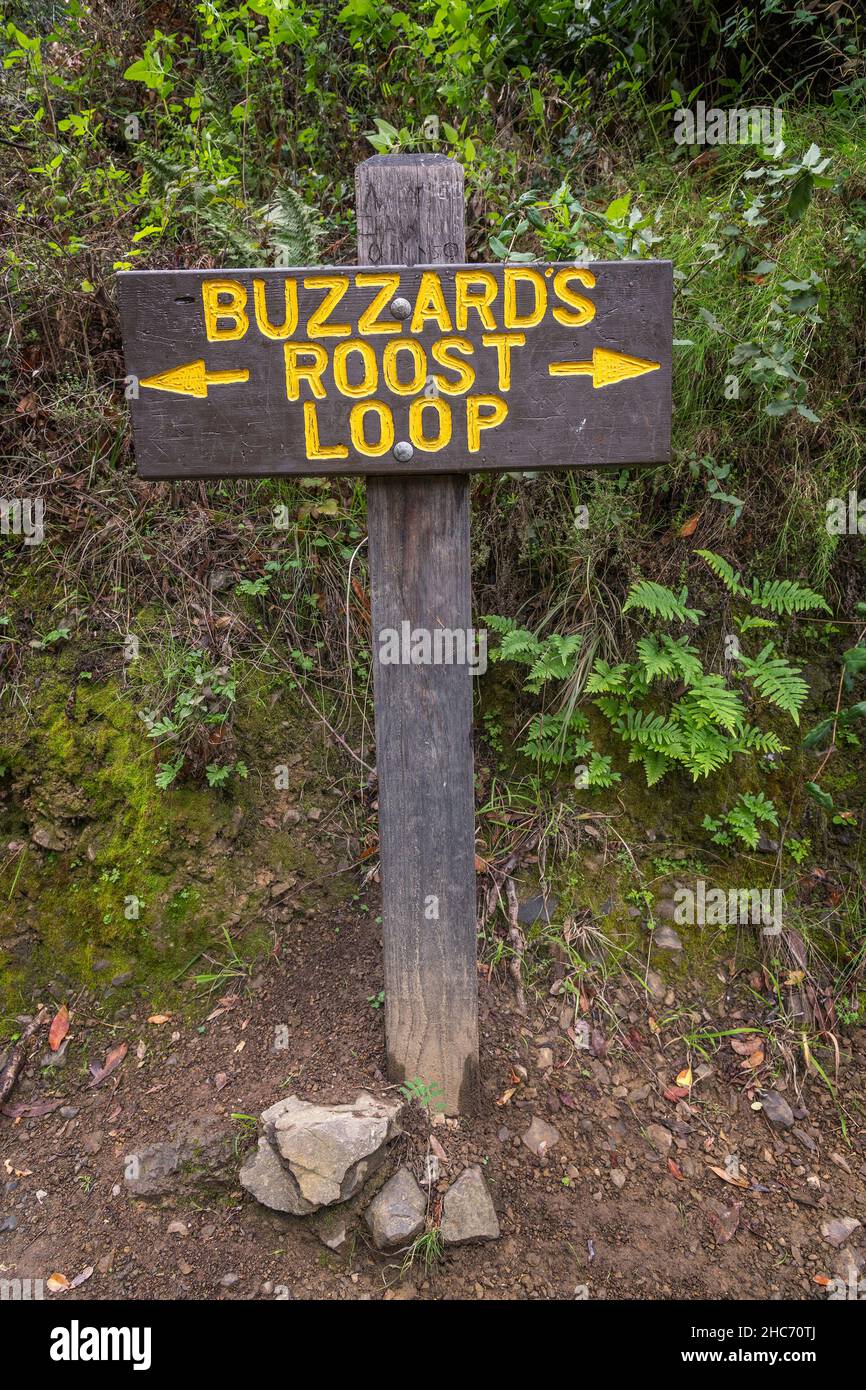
{"x":395,"y":370}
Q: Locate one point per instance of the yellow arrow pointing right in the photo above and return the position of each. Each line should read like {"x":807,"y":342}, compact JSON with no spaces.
{"x":606,"y":367}
{"x":191,"y":379}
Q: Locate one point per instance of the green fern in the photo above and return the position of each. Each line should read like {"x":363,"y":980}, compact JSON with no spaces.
{"x":661,"y":602}
{"x":786,"y":596}
{"x":773,"y":678}
{"x":722,"y":570}
{"x":293,"y":233}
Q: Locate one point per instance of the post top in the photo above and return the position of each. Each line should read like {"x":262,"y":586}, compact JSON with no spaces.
{"x":423,"y":159}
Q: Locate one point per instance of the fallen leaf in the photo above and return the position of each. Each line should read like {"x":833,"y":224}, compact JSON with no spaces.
{"x":80,"y":1278}
{"x":822,"y":1279}
{"x":729,"y":1177}
{"x":23,"y":1111}
{"x":59,"y":1028}
{"x":58,"y":1283}
{"x":241,"y":1045}
{"x":676,"y":1170}
{"x":756,"y":1060}
{"x":159,"y":1018}
{"x":744,"y":1047}
{"x":220,"y":1080}
{"x":437,"y":1149}
{"x":689,"y":527}
{"x":724,"y":1220}
{"x":675,"y":1093}
{"x":113,"y":1060}
{"x":481,"y":865}
{"x":685,"y":1077}
{"x":506,"y":1096}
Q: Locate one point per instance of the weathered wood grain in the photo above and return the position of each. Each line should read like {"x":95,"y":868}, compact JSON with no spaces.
{"x":420,"y":572}
{"x":250,"y":427}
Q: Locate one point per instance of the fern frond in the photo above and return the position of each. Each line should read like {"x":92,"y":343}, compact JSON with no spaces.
{"x":293,"y":232}
{"x":661,"y":602}
{"x":722,"y":570}
{"x":786,"y":596}
{"x":773,"y":678}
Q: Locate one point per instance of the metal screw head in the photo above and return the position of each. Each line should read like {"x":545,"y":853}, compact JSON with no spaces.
{"x":403,"y":451}
{"x":400,"y":308}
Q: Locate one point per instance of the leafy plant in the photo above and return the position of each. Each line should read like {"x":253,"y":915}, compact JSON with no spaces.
{"x":743,"y":822}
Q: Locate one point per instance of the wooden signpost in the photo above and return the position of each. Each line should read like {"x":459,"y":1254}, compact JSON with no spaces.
{"x":416,"y":369}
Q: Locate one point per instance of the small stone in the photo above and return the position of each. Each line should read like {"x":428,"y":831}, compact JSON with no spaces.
{"x":776,"y":1109}
{"x":468,"y":1212}
{"x":545,"y":1058}
{"x":228,"y":1281}
{"x":330,"y":1150}
{"x":9,"y":1222}
{"x":178,"y":1228}
{"x":656,"y":985}
{"x":837,"y":1231}
{"x":540,"y":1137}
{"x":92,"y":1142}
{"x":397,"y":1214}
{"x":268,"y":1180}
{"x":68,"y":1112}
{"x":660,"y":1138}
{"x":665,"y":908}
{"x":537,"y":908}
{"x":617,"y":1177}
{"x":666,"y":939}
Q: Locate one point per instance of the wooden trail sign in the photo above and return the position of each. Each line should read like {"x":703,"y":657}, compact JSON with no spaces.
{"x":415,"y":369}
{"x":433,"y":369}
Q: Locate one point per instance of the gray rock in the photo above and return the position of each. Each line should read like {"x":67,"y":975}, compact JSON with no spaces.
{"x":268,"y":1180}
{"x":837,"y":1231}
{"x":660,"y":1138}
{"x":540,"y":1137}
{"x":537,"y":908}
{"x":397,"y":1215}
{"x":198,"y":1157}
{"x":656,"y":985}
{"x":666,"y":939}
{"x":9,"y":1222}
{"x":332,"y":1226}
{"x":776,"y":1109}
{"x":665,"y":908}
{"x":330,"y":1150}
{"x":468,"y":1212}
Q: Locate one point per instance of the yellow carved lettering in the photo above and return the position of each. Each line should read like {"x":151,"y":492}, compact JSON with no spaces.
{"x":370,"y":379}
{"x":476,"y":422}
{"x":416,"y":424}
{"x":336,"y":286}
{"x":504,"y":342}
{"x":479,"y":298}
{"x":312,"y":374}
{"x":316,"y":450}
{"x":465,"y":373}
{"x":430,"y":304}
{"x":585,"y":307}
{"x":368,"y":321}
{"x":290,"y":317}
{"x":513,"y":277}
{"x":419,"y":364}
{"x":357,"y":416}
{"x":234,"y":298}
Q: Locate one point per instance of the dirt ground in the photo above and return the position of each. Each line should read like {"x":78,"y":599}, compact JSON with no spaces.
{"x":616,"y":1209}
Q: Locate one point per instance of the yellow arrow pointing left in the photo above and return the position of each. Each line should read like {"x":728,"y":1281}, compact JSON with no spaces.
{"x":192,"y":379}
